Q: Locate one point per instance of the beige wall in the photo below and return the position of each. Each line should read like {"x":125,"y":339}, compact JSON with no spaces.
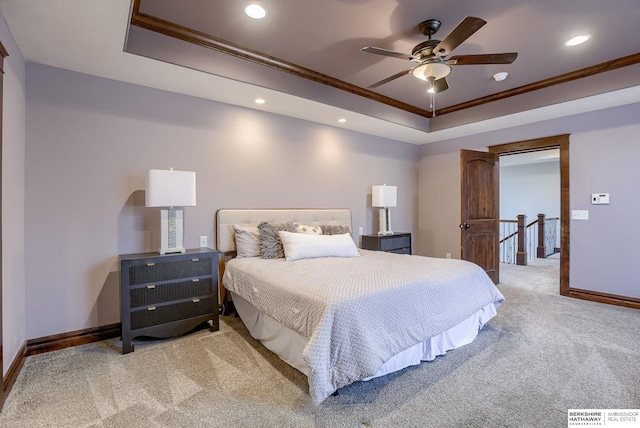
{"x":13,"y":200}
{"x":90,"y":142}
{"x":439,"y":205}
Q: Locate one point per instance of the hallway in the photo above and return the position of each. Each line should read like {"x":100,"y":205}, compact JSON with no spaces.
{"x":541,"y":275}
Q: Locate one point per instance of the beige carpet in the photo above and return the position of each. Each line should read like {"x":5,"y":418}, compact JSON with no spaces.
{"x":541,"y":355}
{"x":540,"y":275}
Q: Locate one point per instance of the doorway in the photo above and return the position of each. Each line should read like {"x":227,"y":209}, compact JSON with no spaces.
{"x":529,"y":186}
{"x":560,"y":142}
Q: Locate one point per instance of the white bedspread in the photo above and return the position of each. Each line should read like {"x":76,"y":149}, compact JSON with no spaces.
{"x":358,"y":312}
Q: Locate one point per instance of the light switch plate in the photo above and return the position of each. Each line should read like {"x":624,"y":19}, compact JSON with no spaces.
{"x":580,"y":214}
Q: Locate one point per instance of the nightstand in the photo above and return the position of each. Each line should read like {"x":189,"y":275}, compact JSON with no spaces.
{"x":167,"y":295}
{"x":399,"y":243}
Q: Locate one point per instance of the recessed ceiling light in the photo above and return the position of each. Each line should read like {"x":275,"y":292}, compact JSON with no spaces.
{"x":499,"y":77}
{"x":578,"y":40}
{"x":260,"y":101}
{"x":255,"y":11}
{"x":342,"y":120}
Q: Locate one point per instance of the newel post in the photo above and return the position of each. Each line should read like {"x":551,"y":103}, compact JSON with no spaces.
{"x":540,"y":252}
{"x":521,"y":255}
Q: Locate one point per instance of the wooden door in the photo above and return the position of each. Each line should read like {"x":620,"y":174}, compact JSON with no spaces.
{"x":480,"y":214}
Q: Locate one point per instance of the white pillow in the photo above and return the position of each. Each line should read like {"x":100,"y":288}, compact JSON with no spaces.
{"x":247,"y":241}
{"x":303,"y":246}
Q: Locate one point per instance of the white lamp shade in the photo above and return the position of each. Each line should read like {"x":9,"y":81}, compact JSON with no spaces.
{"x":169,"y":188}
{"x":384,"y":196}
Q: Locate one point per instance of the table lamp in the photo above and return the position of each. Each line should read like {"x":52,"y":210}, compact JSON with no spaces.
{"x":170,"y":189}
{"x":384,"y":197}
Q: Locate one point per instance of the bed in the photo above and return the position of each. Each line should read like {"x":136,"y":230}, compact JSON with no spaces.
{"x":340,"y":314}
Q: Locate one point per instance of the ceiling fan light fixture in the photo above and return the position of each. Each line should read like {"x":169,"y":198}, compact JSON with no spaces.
{"x":577,"y":40}
{"x":437,"y":70}
{"x":255,"y":11}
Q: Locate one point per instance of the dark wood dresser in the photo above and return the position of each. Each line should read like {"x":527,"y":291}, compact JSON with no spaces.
{"x":399,"y":243}
{"x":167,"y":295}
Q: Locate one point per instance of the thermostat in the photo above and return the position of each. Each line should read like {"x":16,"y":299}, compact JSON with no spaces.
{"x":599,"y":198}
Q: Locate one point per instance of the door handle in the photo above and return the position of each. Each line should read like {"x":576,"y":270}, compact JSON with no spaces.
{"x":465,"y":226}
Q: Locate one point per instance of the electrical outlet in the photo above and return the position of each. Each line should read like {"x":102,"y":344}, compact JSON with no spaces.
{"x":361,"y":230}
{"x":448,"y":255}
{"x":203,"y":241}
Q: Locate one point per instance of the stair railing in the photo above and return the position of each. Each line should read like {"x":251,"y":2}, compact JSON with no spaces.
{"x":520,"y":242}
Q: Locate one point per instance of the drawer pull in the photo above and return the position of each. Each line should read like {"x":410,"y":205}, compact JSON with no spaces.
{"x":195,"y":259}
{"x":152,"y":308}
{"x":151,"y":286}
{"x":196,"y":300}
{"x":195,"y":280}
{"x":151,"y":264}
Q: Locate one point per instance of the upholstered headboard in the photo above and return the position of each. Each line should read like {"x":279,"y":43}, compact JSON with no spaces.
{"x":226,"y":218}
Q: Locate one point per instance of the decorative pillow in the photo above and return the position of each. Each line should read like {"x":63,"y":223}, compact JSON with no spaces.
{"x":247,"y":241}
{"x":335,"y":230}
{"x":311,"y":230}
{"x":304,"y":246}
{"x":270,"y":245}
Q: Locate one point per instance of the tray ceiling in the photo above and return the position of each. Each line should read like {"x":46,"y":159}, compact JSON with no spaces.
{"x":306,"y":55}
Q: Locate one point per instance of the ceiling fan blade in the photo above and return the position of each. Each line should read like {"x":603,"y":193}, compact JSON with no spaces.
{"x":440,"y":85}
{"x":462,"y":32}
{"x":501,"y":58}
{"x":386,"y":52}
{"x":390,"y":78}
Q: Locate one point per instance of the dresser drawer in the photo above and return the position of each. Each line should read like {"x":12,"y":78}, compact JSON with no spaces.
{"x":148,"y":317}
{"x":166,"y":270}
{"x":395,"y":242}
{"x":399,"y":242}
{"x":152,"y":293}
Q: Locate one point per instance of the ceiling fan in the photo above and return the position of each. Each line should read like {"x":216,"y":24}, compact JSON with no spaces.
{"x":431,"y":55}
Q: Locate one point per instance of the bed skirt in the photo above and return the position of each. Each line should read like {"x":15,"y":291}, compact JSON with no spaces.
{"x":289,"y":344}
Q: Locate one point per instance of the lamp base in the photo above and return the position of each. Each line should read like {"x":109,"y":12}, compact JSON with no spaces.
{"x":385,"y":222}
{"x":171,"y":231}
